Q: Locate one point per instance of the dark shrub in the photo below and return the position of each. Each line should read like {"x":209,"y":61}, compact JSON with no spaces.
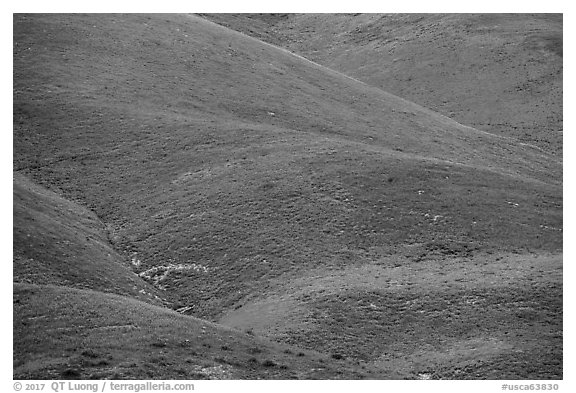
{"x":268,"y":363}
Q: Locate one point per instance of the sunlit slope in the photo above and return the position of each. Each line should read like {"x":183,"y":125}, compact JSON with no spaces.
{"x":70,"y":322}
{"x":498,"y":72}
{"x":493,"y":316}
{"x":58,"y":242}
{"x":225,"y":162}
{"x":185,"y":66}
{"x":65,"y":333}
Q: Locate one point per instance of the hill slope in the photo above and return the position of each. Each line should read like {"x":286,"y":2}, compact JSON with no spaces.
{"x":80,"y":312}
{"x":65,"y":333}
{"x":501,"y":73}
{"x":58,"y":242}
{"x":228,"y":167}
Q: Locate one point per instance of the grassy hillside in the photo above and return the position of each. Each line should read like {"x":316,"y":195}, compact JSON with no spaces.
{"x":488,"y":317}
{"x":58,"y":242}
{"x":501,"y":73}
{"x":71,"y":323}
{"x":227,"y":167}
{"x":84,"y":334}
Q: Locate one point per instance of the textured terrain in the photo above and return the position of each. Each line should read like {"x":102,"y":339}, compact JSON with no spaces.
{"x":173,"y":176}
{"x":501,"y":73}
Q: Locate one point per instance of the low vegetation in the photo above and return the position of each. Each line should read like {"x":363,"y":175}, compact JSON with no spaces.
{"x":169,"y":169}
{"x":501,"y":73}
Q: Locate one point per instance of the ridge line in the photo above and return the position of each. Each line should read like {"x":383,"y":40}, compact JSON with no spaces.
{"x":473,"y":129}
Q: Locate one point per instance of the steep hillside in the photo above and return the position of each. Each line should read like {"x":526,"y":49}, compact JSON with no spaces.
{"x":228,"y":167}
{"x":58,"y":242}
{"x":501,"y":73}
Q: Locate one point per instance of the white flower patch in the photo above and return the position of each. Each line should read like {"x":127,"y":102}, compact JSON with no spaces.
{"x":159,"y":273}
{"x":434,"y":217}
{"x":215,"y":372}
{"x":182,"y":310}
{"x":550,"y":228}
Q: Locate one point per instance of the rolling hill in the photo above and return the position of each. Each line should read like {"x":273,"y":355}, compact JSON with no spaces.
{"x":66,"y":333}
{"x":248,"y":186}
{"x":501,"y":73}
{"x":57,"y":242}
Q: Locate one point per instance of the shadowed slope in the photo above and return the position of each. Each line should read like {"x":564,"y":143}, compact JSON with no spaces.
{"x":492,"y":316}
{"x":196,"y":71}
{"x":64,"y":333}
{"x":501,"y":73}
{"x":61,"y":243}
{"x":206,"y":149}
{"x":61,"y":331}
{"x":226,"y":165}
